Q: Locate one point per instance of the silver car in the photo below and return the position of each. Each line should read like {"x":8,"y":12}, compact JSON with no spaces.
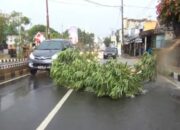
{"x":43,"y":55}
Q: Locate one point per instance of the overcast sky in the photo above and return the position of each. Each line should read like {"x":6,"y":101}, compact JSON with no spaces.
{"x":65,"y":13}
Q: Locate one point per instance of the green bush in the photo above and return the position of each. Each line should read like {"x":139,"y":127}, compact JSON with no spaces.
{"x":83,"y":72}
{"x":147,"y":66}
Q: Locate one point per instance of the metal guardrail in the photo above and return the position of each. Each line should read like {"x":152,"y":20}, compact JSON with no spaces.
{"x":13,"y":69}
{"x":12,"y":65}
{"x":12,"y":60}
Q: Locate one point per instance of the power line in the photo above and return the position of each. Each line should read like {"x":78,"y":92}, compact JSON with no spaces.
{"x":88,"y":1}
{"x":116,"y":6}
{"x":104,"y":5}
{"x":100,"y":4}
{"x":133,"y":6}
{"x":66,"y":2}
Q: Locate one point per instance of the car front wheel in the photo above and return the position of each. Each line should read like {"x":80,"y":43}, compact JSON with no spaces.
{"x":33,"y":71}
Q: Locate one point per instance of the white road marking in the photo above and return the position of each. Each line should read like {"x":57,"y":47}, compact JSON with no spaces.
{"x":14,"y":79}
{"x":50,"y":116}
{"x":171,"y":82}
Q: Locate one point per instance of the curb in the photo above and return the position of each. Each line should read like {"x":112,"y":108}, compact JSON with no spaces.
{"x":172,"y":81}
{"x":16,"y":78}
{"x":130,"y":57}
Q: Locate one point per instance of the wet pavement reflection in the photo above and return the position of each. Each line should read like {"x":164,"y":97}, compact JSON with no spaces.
{"x":16,"y":90}
{"x":26,"y":102}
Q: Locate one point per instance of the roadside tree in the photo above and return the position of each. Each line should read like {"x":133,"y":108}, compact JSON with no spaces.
{"x":3,"y":27}
{"x":41,"y":28}
{"x":107,"y":41}
{"x":168,"y":12}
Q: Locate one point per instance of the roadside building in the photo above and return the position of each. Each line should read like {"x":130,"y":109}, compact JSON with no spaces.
{"x":98,"y":43}
{"x":160,"y":38}
{"x":12,"y":44}
{"x":73,"y":34}
{"x":133,"y":44}
{"x":11,"y":41}
{"x":39,"y":37}
{"x":156,"y":36}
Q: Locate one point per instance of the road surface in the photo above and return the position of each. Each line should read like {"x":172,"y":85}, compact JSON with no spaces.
{"x":25,"y":103}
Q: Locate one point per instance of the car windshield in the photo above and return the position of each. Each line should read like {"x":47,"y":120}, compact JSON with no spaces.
{"x":51,"y":45}
{"x":111,"y":50}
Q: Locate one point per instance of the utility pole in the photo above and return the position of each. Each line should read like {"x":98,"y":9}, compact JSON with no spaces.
{"x":47,"y":21}
{"x":122,"y":30}
{"x":122,"y":20}
{"x":19,"y":45}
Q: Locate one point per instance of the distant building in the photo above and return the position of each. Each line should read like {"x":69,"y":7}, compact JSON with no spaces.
{"x":98,"y":40}
{"x":149,"y":25}
{"x":38,"y":38}
{"x":114,"y":40}
{"x":132,"y":26}
{"x":155,"y":35}
{"x":133,"y":44}
{"x":73,"y":34}
{"x":11,"y":41}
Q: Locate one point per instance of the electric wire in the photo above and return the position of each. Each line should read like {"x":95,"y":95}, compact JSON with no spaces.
{"x":100,"y":4}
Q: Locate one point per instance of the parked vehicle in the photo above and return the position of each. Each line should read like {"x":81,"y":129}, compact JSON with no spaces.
{"x":110,"y":52}
{"x":43,"y":55}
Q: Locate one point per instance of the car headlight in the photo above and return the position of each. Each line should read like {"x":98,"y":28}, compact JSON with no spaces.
{"x":54,"y":57}
{"x":31,"y":56}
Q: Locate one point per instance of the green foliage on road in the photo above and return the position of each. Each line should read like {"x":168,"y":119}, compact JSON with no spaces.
{"x":113,"y":79}
{"x":147,"y":66}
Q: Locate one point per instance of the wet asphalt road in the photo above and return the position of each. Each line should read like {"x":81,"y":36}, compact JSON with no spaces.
{"x":25,"y":103}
